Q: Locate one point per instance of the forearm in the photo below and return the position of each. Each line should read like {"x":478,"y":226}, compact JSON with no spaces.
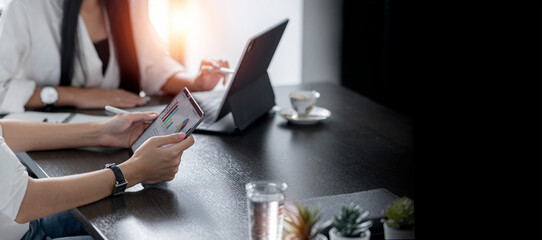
{"x":45,"y":197}
{"x":177,"y":82}
{"x":24,"y":136}
{"x":66,"y":97}
{"x":151,"y":163}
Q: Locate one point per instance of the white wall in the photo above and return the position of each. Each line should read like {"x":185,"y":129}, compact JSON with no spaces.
{"x":322,"y":41}
{"x":221,"y":28}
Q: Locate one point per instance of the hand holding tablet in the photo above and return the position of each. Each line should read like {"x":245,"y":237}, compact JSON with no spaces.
{"x":182,"y":114}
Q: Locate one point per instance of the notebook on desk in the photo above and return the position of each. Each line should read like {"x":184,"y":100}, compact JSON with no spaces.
{"x":250,"y":94}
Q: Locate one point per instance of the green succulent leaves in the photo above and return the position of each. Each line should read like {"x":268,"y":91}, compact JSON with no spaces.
{"x":352,"y":221}
{"x":401,"y":214}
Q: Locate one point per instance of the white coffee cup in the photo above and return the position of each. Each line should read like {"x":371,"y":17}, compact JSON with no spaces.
{"x":303,"y":101}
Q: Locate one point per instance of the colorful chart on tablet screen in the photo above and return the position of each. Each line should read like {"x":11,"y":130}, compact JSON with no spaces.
{"x":167,"y":118}
{"x":182,"y":125}
{"x":178,"y":116}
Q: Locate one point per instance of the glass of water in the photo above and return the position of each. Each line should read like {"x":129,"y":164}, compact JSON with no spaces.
{"x":265,"y":201}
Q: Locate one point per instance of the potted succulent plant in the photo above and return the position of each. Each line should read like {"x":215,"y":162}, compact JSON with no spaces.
{"x":399,"y":219}
{"x":300,"y":223}
{"x":351,"y":224}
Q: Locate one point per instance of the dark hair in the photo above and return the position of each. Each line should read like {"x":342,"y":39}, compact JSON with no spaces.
{"x":67,"y":40}
{"x":121,"y":30}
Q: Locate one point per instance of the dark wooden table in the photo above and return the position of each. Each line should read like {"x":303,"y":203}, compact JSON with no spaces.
{"x":362,"y":146}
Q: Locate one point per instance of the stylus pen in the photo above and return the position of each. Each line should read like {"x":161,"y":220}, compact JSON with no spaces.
{"x":116,"y":110}
{"x":221,"y":70}
{"x":119,"y":111}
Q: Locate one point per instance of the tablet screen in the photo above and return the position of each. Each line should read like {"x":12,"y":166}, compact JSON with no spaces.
{"x":181,"y":115}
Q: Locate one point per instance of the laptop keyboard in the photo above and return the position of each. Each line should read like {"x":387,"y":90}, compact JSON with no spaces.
{"x":209,"y":103}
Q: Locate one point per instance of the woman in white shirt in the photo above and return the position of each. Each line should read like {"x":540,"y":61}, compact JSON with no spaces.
{"x":80,"y":52}
{"x":24,"y":199}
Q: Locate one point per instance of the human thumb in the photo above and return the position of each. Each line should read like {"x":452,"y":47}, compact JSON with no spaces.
{"x":159,"y":141}
{"x":145,"y":116}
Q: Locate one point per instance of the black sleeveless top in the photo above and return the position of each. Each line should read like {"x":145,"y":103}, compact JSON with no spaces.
{"x":102,"y":47}
{"x":122,"y":34}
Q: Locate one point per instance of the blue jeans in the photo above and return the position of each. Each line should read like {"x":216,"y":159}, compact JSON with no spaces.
{"x":61,"y":226}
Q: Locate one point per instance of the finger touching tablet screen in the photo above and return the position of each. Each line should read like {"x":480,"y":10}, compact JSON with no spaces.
{"x":182,"y":114}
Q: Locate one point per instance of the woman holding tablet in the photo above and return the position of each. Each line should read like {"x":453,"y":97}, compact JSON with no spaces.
{"x":87,"y":54}
{"x":36,"y":208}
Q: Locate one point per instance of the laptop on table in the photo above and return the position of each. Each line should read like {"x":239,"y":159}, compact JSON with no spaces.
{"x":250,"y":94}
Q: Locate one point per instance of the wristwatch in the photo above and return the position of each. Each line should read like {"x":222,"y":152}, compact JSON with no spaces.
{"x":120,"y":182}
{"x":48,"y":96}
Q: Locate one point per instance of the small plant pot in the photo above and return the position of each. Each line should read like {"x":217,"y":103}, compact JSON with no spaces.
{"x":318,"y":236}
{"x":394,"y":233}
{"x":334,"y":235}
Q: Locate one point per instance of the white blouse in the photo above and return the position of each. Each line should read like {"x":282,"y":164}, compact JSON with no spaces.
{"x":30,"y":33}
{"x":13,"y":182}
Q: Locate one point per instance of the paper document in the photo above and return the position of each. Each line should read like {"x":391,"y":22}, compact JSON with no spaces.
{"x":156,"y":108}
{"x":80,"y":117}
{"x":39,"y":116}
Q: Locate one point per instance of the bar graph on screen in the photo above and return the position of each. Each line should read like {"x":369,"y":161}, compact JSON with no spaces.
{"x":182,"y":114}
{"x":181,"y":126}
{"x":167,"y":119}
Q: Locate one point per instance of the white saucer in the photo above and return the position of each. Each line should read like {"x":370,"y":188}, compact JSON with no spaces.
{"x":317,"y":114}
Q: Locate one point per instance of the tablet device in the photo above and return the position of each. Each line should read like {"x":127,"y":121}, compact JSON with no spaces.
{"x":182,"y":114}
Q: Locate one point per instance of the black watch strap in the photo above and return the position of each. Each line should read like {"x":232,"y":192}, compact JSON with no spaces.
{"x":120,"y":182}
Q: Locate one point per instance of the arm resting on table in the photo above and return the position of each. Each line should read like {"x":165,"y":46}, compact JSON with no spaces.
{"x":22,"y":136}
{"x":119,"y":131}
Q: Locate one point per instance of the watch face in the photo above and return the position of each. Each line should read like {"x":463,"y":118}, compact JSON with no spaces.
{"x":49,"y":95}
